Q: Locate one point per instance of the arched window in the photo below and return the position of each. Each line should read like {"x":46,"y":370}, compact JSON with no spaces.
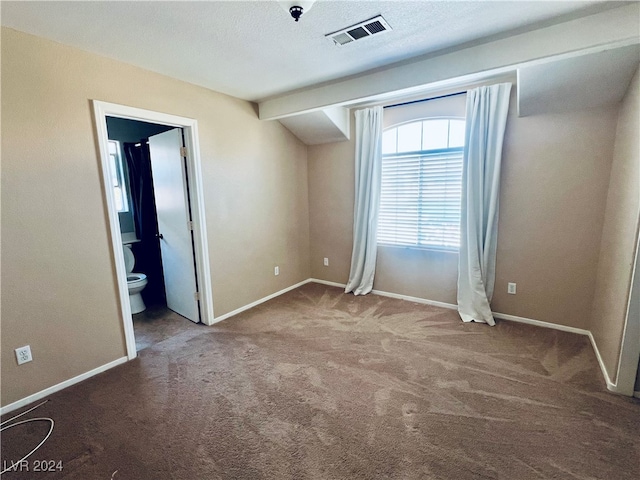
{"x":421,"y":184}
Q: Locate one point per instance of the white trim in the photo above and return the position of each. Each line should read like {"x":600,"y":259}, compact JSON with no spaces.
{"x":424,"y":301}
{"x":201,"y":248}
{"x":262,"y":300}
{"x":56,"y":388}
{"x":391,"y":295}
{"x":327,"y":282}
{"x":398,"y":296}
{"x":114,"y":228}
{"x":610,"y":385}
{"x":101,"y":111}
{"x":540,"y":323}
{"x":629,"y":358}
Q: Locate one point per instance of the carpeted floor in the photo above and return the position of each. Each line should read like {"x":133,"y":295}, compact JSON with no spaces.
{"x":156,"y":324}
{"x":316,"y":384}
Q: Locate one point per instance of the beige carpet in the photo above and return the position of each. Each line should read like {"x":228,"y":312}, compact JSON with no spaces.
{"x":316,"y":384}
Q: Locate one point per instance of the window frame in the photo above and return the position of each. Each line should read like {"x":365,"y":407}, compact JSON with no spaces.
{"x":424,"y":153}
{"x":119,"y":176}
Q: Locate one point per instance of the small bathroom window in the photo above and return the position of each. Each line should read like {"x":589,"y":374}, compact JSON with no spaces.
{"x":117,"y":176}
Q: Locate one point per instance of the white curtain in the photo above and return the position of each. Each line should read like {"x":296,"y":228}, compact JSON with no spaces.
{"x":368,"y":163}
{"x":487,"y":109}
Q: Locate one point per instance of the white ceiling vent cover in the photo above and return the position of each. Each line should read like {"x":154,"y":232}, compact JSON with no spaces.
{"x":359,"y":30}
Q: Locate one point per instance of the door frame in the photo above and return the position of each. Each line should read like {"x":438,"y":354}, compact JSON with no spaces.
{"x":629,"y":359}
{"x":101,"y":111}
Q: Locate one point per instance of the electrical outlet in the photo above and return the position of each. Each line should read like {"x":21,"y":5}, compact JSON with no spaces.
{"x":276,"y":271}
{"x":511,"y":288}
{"x":326,"y":262}
{"x":23,"y":354}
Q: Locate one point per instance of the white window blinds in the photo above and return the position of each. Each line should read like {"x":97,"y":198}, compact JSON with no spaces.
{"x":421,"y":184}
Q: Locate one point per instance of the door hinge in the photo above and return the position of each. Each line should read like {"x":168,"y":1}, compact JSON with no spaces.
{"x":183,"y":151}
{"x":196,"y":296}
{"x":190,"y":225}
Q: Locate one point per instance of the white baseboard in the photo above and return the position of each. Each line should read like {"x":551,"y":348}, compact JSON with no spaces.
{"x":408,"y":298}
{"x":258,"y":302}
{"x":56,"y":388}
{"x":540,"y":323}
{"x":327,"y":282}
{"x":610,"y":385}
{"x":391,"y":295}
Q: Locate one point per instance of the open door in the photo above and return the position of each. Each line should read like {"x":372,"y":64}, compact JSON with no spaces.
{"x":174,"y":220}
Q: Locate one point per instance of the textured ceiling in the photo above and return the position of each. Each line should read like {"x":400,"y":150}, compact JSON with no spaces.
{"x":254,"y":50}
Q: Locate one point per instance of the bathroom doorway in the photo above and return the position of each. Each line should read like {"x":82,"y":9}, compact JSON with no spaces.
{"x":172,"y":249}
{"x":151,"y":190}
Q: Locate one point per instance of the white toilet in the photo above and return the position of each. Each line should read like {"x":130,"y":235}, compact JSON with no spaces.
{"x":135,"y":281}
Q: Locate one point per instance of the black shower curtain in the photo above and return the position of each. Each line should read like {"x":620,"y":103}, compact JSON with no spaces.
{"x":147,"y":251}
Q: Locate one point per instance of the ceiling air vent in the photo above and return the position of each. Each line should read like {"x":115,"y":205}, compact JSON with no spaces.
{"x":360,"y":30}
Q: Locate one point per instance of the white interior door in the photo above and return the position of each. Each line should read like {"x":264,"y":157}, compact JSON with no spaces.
{"x":170,"y":186}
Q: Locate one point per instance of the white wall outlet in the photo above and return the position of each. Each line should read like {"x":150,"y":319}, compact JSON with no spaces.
{"x":326,"y":262}
{"x":23,"y":354}
{"x":276,"y":271}
{"x":511,"y":288}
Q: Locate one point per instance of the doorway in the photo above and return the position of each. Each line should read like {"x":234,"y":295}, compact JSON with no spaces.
{"x":171,"y":134}
{"x":150,"y":185}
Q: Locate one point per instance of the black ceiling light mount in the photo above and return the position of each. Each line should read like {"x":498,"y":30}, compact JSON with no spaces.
{"x":296,"y":7}
{"x":296,"y":12}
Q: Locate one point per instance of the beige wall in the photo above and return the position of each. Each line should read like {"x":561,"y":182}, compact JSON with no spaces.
{"x":554,"y":186}
{"x":617,"y":250}
{"x":264,"y":209}
{"x":59,"y":286}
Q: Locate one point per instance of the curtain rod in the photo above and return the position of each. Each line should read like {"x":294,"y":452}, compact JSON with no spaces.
{"x":426,"y":99}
